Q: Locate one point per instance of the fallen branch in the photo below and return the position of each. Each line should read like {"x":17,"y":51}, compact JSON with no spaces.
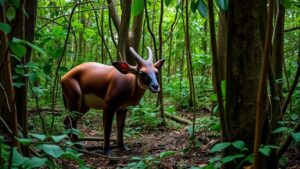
{"x":103,"y":156}
{"x":95,"y":139}
{"x":178,"y":119}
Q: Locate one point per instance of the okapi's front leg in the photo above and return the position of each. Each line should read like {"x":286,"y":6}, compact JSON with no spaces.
{"x":108,"y":115}
{"x":121,"y":117}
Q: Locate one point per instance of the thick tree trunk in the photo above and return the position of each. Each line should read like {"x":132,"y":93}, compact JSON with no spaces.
{"x":241,"y":44}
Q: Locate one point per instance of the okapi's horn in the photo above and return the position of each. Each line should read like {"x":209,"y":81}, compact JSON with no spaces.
{"x":136,"y":56}
{"x":150,"y":55}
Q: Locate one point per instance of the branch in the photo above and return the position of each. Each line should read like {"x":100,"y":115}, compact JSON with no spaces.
{"x":99,"y":32}
{"x":114,"y":15}
{"x":262,"y":86}
{"x":216,"y":72}
{"x":288,"y":99}
{"x":178,"y":119}
{"x":292,"y":29}
{"x":149,"y":29}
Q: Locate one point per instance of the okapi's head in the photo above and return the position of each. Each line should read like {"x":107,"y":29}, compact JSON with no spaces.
{"x":146,"y":71}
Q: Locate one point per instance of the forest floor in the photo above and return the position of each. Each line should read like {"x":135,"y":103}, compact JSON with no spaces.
{"x":152,"y":143}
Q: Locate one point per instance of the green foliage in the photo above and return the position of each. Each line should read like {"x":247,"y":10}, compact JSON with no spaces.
{"x":239,"y":153}
{"x":149,"y":161}
{"x":5,"y":28}
{"x":144,"y":116}
{"x":137,"y":7}
{"x":223,"y":4}
{"x":48,"y":152}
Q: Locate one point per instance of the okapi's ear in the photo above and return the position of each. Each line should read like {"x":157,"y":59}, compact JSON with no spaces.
{"x":159,"y":64}
{"x":124,"y":67}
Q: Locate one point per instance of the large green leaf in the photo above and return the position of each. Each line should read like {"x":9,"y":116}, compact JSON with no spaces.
{"x":220,"y":146}
{"x":17,"y":40}
{"x":202,"y":8}
{"x":280,"y":130}
{"x":35,"y":162}
{"x":137,"y":7}
{"x":40,"y":137}
{"x":265,"y":151}
{"x":5,"y":28}
{"x":58,"y":138}
{"x":11,"y":13}
{"x":18,"y":49}
{"x":223,"y":4}
{"x":239,"y":144}
{"x":296,"y":136}
{"x":51,"y":149}
{"x":17,"y":158}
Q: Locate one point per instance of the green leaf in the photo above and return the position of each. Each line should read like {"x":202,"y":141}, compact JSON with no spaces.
{"x":209,"y":166}
{"x":265,"y":151}
{"x":18,"y":85}
{"x":25,"y":141}
{"x":214,"y":97}
{"x":202,"y":8}
{"x":137,"y":7}
{"x":167,"y":2}
{"x":40,"y":137}
{"x":5,"y":28}
{"x":51,"y":149}
{"x":17,"y":158}
{"x":17,"y":49}
{"x":166,"y":154}
{"x":38,"y":90}
{"x":239,"y":144}
{"x":31,"y":76}
{"x":296,"y":136}
{"x":228,"y":159}
{"x":2,"y":2}
{"x":280,"y":130}
{"x":11,"y":13}
{"x":220,"y":146}
{"x":35,"y":162}
{"x":16,"y":3}
{"x":70,"y":155}
{"x":17,"y":40}
{"x":58,"y":138}
{"x":223,"y":4}
{"x":214,"y":159}
{"x":283,"y":161}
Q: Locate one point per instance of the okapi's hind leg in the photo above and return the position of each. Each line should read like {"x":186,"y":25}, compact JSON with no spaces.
{"x":72,"y":96}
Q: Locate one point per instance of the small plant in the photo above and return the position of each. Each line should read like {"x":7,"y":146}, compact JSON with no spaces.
{"x":149,"y":161}
{"x":218,"y":161}
{"x":46,"y":148}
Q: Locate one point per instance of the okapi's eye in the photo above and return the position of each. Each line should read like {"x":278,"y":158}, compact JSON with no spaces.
{"x":142,"y":74}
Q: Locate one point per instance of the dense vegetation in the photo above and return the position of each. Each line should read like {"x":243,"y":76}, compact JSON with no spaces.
{"x":231,"y":74}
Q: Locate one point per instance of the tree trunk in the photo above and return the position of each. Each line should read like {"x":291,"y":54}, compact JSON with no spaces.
{"x":242,"y":45}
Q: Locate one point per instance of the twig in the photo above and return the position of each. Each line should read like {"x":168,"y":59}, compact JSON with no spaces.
{"x":292,"y":29}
